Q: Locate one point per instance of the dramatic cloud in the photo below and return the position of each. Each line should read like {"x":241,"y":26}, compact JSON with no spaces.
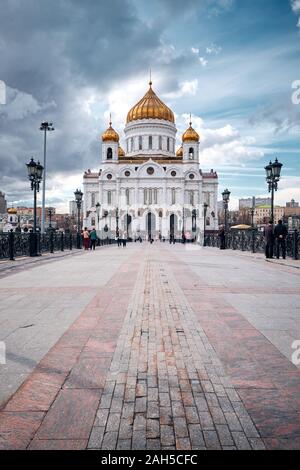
{"x":296,"y":9}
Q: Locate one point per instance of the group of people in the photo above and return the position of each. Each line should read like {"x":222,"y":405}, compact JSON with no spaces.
{"x":275,"y":237}
{"x":90,"y":238}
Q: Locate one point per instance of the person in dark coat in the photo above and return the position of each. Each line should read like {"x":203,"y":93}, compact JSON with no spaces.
{"x":222,"y":238}
{"x":280,"y":234}
{"x":269,"y":239}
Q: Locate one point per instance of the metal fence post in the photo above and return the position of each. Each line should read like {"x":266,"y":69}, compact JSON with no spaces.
{"x":295,"y":243}
{"x":11,"y":239}
{"x":62,"y":241}
{"x":71,"y":240}
{"x":51,"y":242}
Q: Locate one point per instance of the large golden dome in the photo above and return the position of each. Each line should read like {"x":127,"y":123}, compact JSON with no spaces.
{"x":190,"y":135}
{"x":110,"y":135}
{"x":150,"y":107}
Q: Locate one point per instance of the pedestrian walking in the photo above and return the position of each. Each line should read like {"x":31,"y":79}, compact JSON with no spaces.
{"x":222,"y":237}
{"x":93,"y":238}
{"x":86,"y":238}
{"x":269,"y":240}
{"x":124,"y":239}
{"x":280,"y":234}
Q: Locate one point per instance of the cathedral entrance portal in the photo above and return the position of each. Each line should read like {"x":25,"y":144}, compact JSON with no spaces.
{"x":151,"y":225}
{"x":173,"y":225}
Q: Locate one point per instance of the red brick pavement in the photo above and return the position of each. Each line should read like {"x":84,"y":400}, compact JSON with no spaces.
{"x":55,"y":407}
{"x":148,"y":353}
{"x":267,"y":382}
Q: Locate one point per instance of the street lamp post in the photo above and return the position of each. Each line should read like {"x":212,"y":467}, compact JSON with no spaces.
{"x":35,"y":176}
{"x":78,"y":198}
{"x":117,"y":222}
{"x":183,"y":225}
{"x":205,"y":207}
{"x":45,"y":127}
{"x":226,"y":198}
{"x":50,"y":213}
{"x":273,"y":171}
{"x":98,"y":207}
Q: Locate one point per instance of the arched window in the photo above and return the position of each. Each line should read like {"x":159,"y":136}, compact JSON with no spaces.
{"x":150,"y":196}
{"x":191,"y":198}
{"x":131,"y":144}
{"x":127,"y":145}
{"x":140,"y":142}
{"x":150,"y":142}
{"x":168,"y":144}
{"x":109,"y":153}
{"x":93,"y":197}
{"x":93,"y":222}
{"x":145,"y":196}
{"x":108,"y":197}
{"x":155,"y":196}
{"x":160,"y":142}
{"x":127,"y":195}
{"x":173,"y":196}
{"x":191,"y":153}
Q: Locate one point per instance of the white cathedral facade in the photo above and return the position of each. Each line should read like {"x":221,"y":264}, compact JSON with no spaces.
{"x":150,"y":189}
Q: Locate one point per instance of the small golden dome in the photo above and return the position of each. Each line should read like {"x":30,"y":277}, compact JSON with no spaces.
{"x":150,"y":107}
{"x":110,"y":135}
{"x":121,"y":152}
{"x":11,"y":210}
{"x":179,"y":152}
{"x":190,"y":135}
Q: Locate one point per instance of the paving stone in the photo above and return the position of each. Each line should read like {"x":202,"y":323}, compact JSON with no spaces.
{"x":113,"y":422}
{"x":241,"y":440}
{"x":153,"y":428}
{"x":167,"y":435}
{"x":153,"y":444}
{"x":152,"y":410}
{"x":211,"y":440}
{"x":180,"y":427}
{"x":224,"y":435}
{"x":206,"y":420}
{"x":109,"y":441}
{"x":192,"y":415}
{"x":124,"y":444}
{"x":96,"y":437}
{"x":165,"y":415}
{"x":196,"y":436}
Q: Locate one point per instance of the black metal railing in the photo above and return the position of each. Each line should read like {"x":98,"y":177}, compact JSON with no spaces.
{"x":14,"y":244}
{"x":253,"y":240}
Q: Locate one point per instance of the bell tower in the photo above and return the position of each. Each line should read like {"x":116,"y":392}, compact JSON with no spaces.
{"x":190,"y":145}
{"x":110,"y":145}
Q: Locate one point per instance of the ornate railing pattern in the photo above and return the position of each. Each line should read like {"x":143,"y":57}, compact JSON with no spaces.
{"x":14,"y":244}
{"x":253,"y":240}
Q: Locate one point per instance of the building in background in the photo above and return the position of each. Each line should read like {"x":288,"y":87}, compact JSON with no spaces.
{"x":246,"y":203}
{"x":3,"y":204}
{"x":292,"y":215}
{"x":262,"y":214}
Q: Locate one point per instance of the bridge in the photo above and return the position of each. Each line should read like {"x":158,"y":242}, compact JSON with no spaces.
{"x":149,"y":347}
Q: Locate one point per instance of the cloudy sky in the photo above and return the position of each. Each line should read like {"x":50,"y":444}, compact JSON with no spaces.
{"x":230,"y":63}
